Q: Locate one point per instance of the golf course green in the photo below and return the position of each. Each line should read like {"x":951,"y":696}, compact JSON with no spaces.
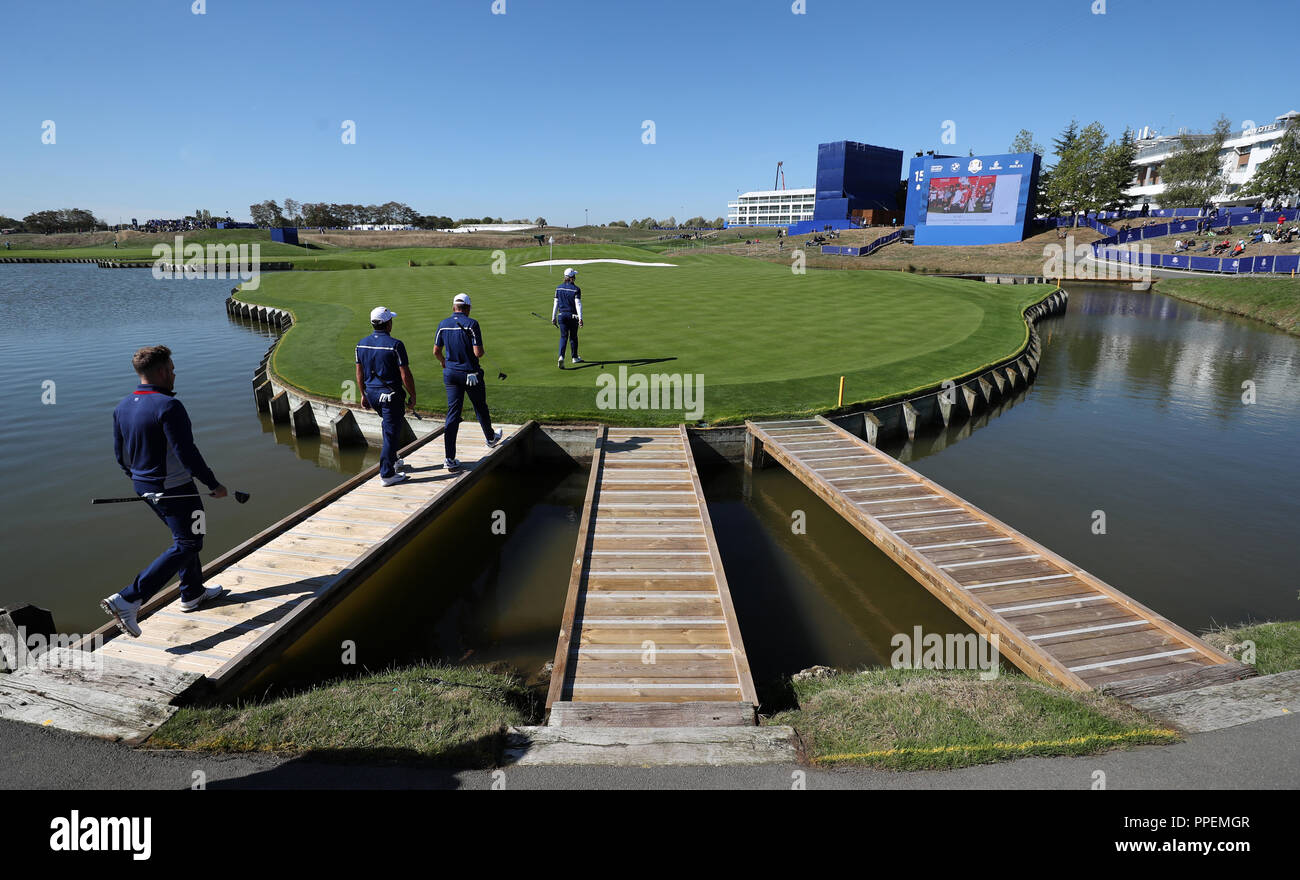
{"x":763,"y":340}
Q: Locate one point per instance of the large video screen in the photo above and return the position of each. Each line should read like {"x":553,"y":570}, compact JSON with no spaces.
{"x":983,"y":200}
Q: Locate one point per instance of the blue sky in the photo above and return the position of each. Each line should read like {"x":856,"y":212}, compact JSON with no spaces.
{"x":539,"y":111}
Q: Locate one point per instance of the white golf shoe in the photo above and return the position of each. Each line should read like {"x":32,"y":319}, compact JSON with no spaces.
{"x":123,"y":614}
{"x":452,"y":465}
{"x":496,"y":438}
{"x":215,"y":591}
{"x":395,"y":479}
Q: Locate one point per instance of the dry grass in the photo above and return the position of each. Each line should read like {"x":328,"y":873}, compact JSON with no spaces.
{"x":923,"y":719}
{"x":1276,"y":644}
{"x":1013,"y":258}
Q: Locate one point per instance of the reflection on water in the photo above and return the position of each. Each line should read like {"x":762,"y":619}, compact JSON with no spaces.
{"x":59,"y":551}
{"x":1137,"y":412}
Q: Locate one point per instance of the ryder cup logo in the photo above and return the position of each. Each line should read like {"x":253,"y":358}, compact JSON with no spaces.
{"x":956,"y":165}
{"x":975,"y":166}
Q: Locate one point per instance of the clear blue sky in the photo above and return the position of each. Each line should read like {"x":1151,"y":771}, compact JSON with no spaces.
{"x":160,"y":112}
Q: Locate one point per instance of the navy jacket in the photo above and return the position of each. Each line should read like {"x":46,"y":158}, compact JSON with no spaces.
{"x":568,"y":301}
{"x":154,"y":443}
{"x":381,"y":358}
{"x":458,"y":334}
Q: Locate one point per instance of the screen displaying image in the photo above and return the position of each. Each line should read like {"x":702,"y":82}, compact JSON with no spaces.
{"x":977,"y":200}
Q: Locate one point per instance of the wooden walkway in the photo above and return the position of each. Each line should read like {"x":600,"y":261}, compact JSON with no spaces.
{"x":649,"y":637}
{"x":1054,"y":620}
{"x":280,"y":581}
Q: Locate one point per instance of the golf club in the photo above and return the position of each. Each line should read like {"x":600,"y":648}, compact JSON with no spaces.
{"x":241,"y":497}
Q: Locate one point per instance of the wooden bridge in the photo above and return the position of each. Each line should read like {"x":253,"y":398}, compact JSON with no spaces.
{"x":649,"y":636}
{"x":1054,"y":620}
{"x":281,"y":581}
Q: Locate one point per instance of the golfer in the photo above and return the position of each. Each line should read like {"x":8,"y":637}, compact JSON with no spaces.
{"x":384,"y":377}
{"x":566,"y":313}
{"x":154,"y":444}
{"x":458,"y":346}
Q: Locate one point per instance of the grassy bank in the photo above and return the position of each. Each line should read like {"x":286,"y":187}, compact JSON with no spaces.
{"x":435,"y":714}
{"x":765,"y":341}
{"x":1277,"y":644}
{"x":1274,"y":301}
{"x":924,"y":720}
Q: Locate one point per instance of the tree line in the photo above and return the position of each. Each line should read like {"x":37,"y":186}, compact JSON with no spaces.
{"x":294,"y":213}
{"x":62,"y":220}
{"x":1093,"y":171}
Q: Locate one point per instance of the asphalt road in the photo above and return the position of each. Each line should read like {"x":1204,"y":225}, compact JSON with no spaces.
{"x":1260,"y":755}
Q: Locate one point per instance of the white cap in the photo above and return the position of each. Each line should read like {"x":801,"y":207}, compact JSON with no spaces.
{"x":461,"y":299}
{"x":569,"y":273}
{"x":381,"y":315}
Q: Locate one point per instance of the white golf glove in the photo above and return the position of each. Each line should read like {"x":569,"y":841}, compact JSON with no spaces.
{"x":471,"y":379}
{"x":386,"y":397}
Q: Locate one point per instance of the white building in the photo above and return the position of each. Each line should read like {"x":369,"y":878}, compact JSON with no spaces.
{"x":771,"y":207}
{"x":1240,"y":156}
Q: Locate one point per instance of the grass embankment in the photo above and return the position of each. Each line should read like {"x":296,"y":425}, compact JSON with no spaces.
{"x":1012,"y":258}
{"x":767,"y":342}
{"x":1277,"y":644}
{"x":434,"y":714}
{"x":1274,"y":301}
{"x":134,"y":246}
{"x":927,"y":720}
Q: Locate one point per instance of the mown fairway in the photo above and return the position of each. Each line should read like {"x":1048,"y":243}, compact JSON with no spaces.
{"x":766,"y":341}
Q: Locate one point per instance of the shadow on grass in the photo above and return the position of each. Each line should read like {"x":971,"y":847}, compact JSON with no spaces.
{"x":635,"y":362}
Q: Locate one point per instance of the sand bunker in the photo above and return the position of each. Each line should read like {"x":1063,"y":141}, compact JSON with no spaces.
{"x":585,"y":262}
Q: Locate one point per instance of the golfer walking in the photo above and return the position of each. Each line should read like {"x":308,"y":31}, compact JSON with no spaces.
{"x":154,"y":445}
{"x":458,"y":346}
{"x":566,"y":313}
{"x":384,"y":377}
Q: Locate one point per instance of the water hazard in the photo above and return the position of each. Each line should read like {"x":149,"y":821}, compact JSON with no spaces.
{"x":1137,"y":415}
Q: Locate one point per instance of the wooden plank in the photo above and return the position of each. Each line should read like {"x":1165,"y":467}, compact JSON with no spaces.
{"x":748,"y":692}
{"x":682,"y":714}
{"x":966,"y":605}
{"x":241,"y":668}
{"x":1205,"y":650}
{"x":560,"y":667}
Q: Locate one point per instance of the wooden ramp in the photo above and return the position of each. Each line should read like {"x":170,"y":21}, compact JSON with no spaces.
{"x":281,"y":581}
{"x":1055,"y":621}
{"x":649,"y":637}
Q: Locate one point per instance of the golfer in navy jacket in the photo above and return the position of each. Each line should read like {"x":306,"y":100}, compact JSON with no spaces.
{"x":566,"y":313}
{"x":154,"y":445}
{"x":458,"y":346}
{"x":384,"y":377}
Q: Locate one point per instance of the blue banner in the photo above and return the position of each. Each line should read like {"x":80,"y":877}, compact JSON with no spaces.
{"x":1205,"y":264}
{"x":1289,"y":263}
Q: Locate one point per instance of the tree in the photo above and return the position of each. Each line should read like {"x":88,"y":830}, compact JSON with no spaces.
{"x":291,"y":209}
{"x":1117,"y":172}
{"x":62,"y":220}
{"x":1074,"y":183}
{"x":1194,"y":175}
{"x":266,"y":213}
{"x":1025,"y":143}
{"x":1277,"y":178}
{"x":620,"y":223}
{"x":540,"y":221}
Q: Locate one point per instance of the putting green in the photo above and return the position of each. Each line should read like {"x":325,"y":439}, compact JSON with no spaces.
{"x":765,"y":341}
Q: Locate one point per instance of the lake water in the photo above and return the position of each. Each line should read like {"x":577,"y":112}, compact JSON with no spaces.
{"x":1137,"y":413}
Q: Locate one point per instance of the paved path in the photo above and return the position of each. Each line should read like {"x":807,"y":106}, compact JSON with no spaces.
{"x":1260,"y":755}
